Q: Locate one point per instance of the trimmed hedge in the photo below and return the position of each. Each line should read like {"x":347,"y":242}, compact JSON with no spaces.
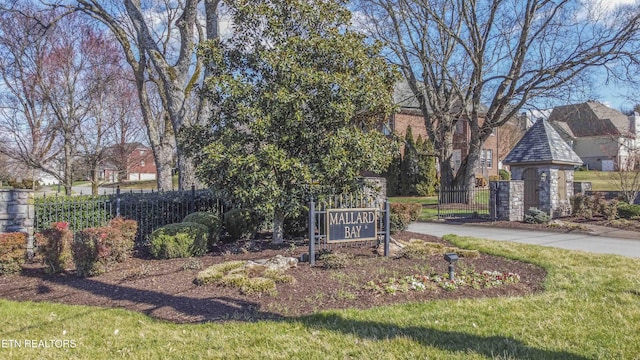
{"x":209,"y":219}
{"x":80,"y":212}
{"x":179,"y":240}
{"x":12,"y":252}
{"x":54,"y":246}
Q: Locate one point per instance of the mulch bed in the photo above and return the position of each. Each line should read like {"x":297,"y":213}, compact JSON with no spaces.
{"x":164,"y":289}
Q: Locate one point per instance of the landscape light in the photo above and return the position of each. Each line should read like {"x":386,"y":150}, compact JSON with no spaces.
{"x":452,"y":258}
{"x":543,"y":177}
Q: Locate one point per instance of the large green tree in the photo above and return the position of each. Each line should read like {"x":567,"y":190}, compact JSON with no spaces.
{"x":300,"y":100}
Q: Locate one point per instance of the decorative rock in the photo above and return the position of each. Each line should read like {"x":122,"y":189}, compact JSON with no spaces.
{"x":395,"y":250}
{"x":278,"y":262}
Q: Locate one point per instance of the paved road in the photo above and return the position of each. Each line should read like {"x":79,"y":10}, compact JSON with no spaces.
{"x":602,"y":244}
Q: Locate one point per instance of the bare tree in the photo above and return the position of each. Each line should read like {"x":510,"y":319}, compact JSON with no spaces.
{"x":27,"y":126}
{"x":158,"y":40}
{"x":59,"y":95}
{"x":483,"y":61}
{"x":114,"y":116}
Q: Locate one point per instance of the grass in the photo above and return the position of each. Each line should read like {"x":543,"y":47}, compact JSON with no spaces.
{"x":140,"y":185}
{"x":601,"y":180}
{"x":589,"y":310}
{"x":427,"y":213}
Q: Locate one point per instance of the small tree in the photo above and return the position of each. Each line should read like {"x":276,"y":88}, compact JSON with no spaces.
{"x":426,"y":175}
{"x":628,"y":177}
{"x":300,"y":97}
{"x":392,"y":175}
{"x":409,"y":166}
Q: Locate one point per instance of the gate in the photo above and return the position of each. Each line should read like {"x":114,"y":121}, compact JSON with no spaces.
{"x":464,"y":202}
{"x":347,"y":220}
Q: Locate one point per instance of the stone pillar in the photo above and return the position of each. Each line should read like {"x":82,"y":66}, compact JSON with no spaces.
{"x":507,"y":200}
{"x":17,"y":214}
{"x":581,"y":188}
{"x":375,"y":187}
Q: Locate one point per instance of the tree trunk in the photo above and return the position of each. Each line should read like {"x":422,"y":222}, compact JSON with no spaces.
{"x":187,"y":176}
{"x":278,"y":227}
{"x":162,"y":154}
{"x":68,"y":165}
{"x":94,"y":180}
{"x":446,"y":158}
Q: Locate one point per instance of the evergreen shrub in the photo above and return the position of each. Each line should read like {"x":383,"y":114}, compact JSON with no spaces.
{"x":403,"y":214}
{"x":179,"y":240}
{"x":628,"y":211}
{"x":209,"y":219}
{"x":241,"y":223}
{"x":536,"y":216}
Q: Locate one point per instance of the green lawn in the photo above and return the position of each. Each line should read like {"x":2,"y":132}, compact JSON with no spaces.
{"x":142,"y":185}
{"x":601,"y":180}
{"x":589,"y":310}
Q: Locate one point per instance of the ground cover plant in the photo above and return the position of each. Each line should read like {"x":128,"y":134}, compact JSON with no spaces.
{"x":588,"y":309}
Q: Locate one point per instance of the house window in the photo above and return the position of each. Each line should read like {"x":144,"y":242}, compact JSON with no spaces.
{"x":142,"y":152}
{"x":459,"y":127}
{"x":142,"y":163}
{"x":486,"y":158}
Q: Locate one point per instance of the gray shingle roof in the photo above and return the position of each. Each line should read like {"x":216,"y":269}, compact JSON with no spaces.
{"x":542,"y":144}
{"x":590,"y":118}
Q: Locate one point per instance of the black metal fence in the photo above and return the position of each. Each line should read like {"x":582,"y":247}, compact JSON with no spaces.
{"x":464,"y":203}
{"x":150,"y":210}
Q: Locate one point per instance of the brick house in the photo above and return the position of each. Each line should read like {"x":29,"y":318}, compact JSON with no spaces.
{"x":128,"y":162}
{"x":409,"y":114}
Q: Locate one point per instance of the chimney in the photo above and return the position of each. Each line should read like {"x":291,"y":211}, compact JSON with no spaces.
{"x":634,"y":124}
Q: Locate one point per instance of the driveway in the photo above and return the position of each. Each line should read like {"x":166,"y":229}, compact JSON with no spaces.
{"x":600,"y":241}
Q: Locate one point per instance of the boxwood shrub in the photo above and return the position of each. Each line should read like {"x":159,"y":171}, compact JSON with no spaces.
{"x":179,"y":240}
{"x":12,"y":252}
{"x":209,"y":219}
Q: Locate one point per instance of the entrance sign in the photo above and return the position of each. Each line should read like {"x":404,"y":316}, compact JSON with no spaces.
{"x":344,"y":225}
{"x":335,"y":223}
